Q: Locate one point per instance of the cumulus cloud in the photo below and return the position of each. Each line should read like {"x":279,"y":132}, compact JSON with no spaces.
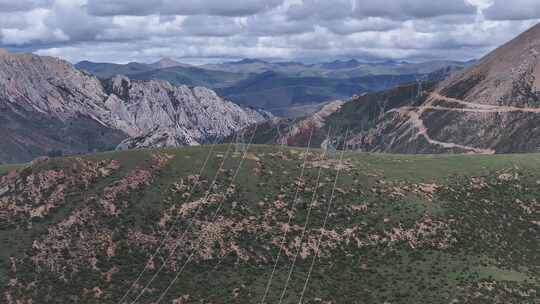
{"x":513,"y":10}
{"x":70,"y":17}
{"x":411,"y":8}
{"x":209,"y":30}
{"x":31,"y":27}
{"x":183,"y":7}
{"x":396,"y":9}
{"x":22,"y":5}
{"x":212,"y":26}
{"x":351,"y":25}
{"x":321,"y":9}
{"x":123,"y":7}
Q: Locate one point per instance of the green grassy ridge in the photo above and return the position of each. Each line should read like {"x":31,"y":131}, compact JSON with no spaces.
{"x":373,"y":274}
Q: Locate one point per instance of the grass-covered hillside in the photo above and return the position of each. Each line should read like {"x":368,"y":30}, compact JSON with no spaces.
{"x":400,"y":229}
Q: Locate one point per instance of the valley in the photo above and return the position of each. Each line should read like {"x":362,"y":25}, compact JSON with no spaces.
{"x":278,"y":86}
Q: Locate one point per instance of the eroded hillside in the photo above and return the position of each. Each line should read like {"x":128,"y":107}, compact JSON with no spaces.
{"x":400,"y":229}
{"x":491,"y":107}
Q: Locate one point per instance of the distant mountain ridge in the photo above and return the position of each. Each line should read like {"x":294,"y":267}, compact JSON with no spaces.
{"x":105,"y":70}
{"x":338,"y":64}
{"x":336,"y":69}
{"x":270,"y":85}
{"x":167,"y":62}
{"x":277,"y":92}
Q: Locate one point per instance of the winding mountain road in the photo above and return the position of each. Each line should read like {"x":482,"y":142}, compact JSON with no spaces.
{"x":478,"y":107}
{"x":415,"y":113}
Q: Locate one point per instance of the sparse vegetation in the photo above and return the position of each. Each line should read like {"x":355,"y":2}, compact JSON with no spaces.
{"x":404,"y":229}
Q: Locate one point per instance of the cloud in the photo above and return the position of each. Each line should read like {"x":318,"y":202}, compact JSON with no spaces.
{"x":183,"y":7}
{"x":70,"y":17}
{"x":209,"y":30}
{"x":351,"y":25}
{"x":411,"y":8}
{"x":513,"y":10}
{"x":321,"y":9}
{"x":32,"y":28}
{"x":396,"y":9}
{"x":123,"y":7}
{"x":211,"y":26}
{"x":22,"y":5}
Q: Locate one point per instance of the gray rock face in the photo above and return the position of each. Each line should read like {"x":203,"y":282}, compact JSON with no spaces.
{"x":152,"y":113}
{"x":155,"y":113}
{"x":50,"y":86}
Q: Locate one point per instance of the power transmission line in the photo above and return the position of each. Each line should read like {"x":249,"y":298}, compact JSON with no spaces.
{"x":199,"y":208}
{"x":213,"y":218}
{"x":284,"y":237}
{"x":323,"y":227}
{"x":313,"y":198}
{"x":175,"y":222}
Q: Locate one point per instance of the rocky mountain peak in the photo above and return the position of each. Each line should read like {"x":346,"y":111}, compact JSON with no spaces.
{"x":47,"y":85}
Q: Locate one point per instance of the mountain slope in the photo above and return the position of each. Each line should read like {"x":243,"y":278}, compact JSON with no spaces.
{"x":157,"y":114}
{"x":262,"y":84}
{"x":280,"y":92}
{"x":507,"y":76}
{"x":164,"y":63}
{"x":402,"y":229}
{"x":492,"y":107}
{"x":104,"y":70}
{"x":165,"y":69}
{"x":193,"y":76}
{"x":336,"y":69}
{"x":257,"y":66}
{"x":44,"y":109}
{"x":48,"y":107}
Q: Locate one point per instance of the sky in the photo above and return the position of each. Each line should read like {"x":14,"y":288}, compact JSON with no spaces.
{"x":201,"y":31}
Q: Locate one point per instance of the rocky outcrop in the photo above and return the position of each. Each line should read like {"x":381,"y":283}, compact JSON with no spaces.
{"x":301,"y":130}
{"x":155,"y":113}
{"x":47,"y":105}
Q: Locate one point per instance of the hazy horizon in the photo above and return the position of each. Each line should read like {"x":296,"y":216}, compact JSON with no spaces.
{"x":201,"y":62}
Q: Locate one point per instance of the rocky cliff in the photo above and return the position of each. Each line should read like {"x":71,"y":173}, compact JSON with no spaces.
{"x":155,"y":113}
{"x":48,"y":106}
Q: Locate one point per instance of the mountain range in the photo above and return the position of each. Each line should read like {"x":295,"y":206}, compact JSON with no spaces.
{"x":490,"y":107}
{"x":49,"y":107}
{"x":259,"y":83}
{"x":279,"y":92}
{"x":243,"y":223}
